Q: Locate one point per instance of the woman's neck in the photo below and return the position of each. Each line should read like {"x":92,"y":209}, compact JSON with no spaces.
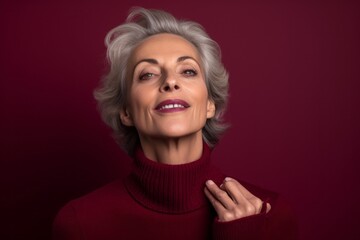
{"x":173,"y":150}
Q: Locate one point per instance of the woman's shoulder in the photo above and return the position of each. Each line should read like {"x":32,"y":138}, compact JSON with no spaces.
{"x":108,"y":192}
{"x":98,"y":200}
{"x":90,"y":210}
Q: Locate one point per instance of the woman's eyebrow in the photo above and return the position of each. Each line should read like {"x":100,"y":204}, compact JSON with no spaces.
{"x":148,"y":60}
{"x":154,"y":61}
{"x":183,"y":58}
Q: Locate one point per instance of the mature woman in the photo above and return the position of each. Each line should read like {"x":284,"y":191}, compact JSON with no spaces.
{"x":164,"y":97}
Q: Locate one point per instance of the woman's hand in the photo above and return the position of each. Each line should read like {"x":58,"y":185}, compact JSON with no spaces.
{"x":232,"y":201}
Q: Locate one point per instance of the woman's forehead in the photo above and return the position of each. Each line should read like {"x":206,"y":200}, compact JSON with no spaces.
{"x":164,"y":46}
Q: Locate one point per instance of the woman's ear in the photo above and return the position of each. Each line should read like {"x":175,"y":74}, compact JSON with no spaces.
{"x":210,"y":109}
{"x":125,"y":117}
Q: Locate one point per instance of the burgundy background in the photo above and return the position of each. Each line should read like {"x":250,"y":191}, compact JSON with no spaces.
{"x":294,"y":105}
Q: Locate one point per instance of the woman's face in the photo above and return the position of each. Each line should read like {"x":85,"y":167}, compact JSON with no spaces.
{"x":168,"y":97}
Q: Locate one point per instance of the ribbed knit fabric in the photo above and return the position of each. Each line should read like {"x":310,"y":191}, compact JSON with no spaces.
{"x":158,"y":201}
{"x":172,"y":189}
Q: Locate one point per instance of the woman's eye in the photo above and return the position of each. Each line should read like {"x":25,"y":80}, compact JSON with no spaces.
{"x":189,"y":72}
{"x":146,"y":76}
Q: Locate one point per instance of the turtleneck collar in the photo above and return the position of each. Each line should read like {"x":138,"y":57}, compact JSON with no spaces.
{"x":171,"y":189}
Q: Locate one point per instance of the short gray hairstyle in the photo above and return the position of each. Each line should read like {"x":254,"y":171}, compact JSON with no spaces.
{"x":142,"y":23}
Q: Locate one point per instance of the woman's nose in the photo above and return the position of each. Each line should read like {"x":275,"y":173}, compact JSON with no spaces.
{"x":169,"y":84}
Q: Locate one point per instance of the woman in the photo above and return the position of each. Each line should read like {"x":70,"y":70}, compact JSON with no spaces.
{"x":164,"y":97}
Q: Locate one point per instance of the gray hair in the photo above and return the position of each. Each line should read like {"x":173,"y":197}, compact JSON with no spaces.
{"x":123,"y":39}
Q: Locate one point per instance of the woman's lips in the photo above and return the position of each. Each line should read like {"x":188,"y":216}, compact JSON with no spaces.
{"x":173,"y":105}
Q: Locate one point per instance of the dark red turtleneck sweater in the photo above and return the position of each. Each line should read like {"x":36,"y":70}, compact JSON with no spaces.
{"x":158,"y":201}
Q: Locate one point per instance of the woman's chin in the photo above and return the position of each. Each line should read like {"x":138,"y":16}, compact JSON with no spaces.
{"x":176,"y":133}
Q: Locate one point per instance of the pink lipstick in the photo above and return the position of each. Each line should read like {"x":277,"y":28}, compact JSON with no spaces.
{"x":173,"y":105}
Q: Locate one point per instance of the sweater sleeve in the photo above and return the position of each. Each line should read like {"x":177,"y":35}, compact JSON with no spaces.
{"x":278,"y":224}
{"x":244,"y":228}
{"x":66,"y":225}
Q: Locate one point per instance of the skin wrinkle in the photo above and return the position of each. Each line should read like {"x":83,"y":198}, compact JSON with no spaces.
{"x":175,"y":137}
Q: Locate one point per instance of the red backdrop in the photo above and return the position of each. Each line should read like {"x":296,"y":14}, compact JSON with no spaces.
{"x":294,"y":105}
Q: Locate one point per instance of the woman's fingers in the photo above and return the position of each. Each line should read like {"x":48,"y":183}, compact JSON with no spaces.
{"x":257,"y":202}
{"x":219,"y":195}
{"x":251,"y":204}
{"x":221,"y":201}
{"x":233,"y":191}
{"x":232,"y":200}
{"x":219,"y":208}
{"x":241,"y":187}
{"x":268,"y":207}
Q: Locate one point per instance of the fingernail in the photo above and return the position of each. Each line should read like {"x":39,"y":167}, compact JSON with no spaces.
{"x":228,"y":179}
{"x":209,"y":182}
